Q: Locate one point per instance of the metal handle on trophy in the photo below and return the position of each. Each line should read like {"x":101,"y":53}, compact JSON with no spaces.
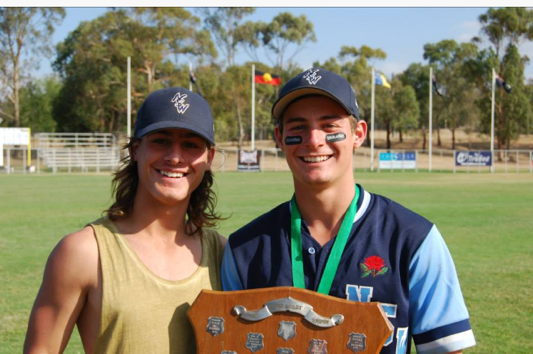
{"x":290,"y":305}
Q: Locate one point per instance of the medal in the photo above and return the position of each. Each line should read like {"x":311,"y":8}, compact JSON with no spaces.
{"x":332,"y":264}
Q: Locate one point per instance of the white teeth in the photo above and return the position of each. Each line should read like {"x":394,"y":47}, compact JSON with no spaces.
{"x":315,"y":158}
{"x":171,"y":174}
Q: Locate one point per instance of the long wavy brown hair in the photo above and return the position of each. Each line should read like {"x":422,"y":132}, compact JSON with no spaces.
{"x":200,"y":212}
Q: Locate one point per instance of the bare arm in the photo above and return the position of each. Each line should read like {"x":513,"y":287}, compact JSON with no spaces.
{"x":70,"y":272}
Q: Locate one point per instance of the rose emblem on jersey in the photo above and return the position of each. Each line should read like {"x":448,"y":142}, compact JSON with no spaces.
{"x":373,"y":265}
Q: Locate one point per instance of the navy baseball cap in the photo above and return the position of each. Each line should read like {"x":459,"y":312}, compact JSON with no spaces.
{"x":175,"y":107}
{"x":317,"y":81}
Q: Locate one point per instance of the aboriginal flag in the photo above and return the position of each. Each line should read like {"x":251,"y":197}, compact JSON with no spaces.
{"x":501,"y":82}
{"x":266,"y":78}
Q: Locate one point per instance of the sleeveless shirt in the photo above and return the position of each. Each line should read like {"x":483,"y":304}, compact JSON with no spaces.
{"x":141,"y":312}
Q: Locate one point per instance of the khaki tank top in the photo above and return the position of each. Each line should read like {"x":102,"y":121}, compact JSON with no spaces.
{"x":141,"y":312}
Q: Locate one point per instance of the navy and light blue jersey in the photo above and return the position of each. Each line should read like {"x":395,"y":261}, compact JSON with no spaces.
{"x":393,"y":256}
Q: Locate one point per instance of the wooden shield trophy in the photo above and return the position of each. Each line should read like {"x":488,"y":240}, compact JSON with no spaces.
{"x":286,"y":320}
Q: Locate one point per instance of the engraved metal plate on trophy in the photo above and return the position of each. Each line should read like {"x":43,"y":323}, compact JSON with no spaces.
{"x":356,"y":342}
{"x":215,"y":325}
{"x":284,"y":351}
{"x":287,"y":330}
{"x":318,"y":346}
{"x":228,"y":352}
{"x":254,"y":342}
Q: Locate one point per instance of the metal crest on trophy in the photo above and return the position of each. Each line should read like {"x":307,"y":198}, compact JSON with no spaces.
{"x":285,"y":320}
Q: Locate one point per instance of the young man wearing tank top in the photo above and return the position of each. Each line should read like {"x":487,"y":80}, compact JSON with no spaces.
{"x":127,"y":279}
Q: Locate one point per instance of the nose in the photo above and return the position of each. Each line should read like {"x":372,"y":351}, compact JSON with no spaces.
{"x":315,"y":138}
{"x":173,"y":154}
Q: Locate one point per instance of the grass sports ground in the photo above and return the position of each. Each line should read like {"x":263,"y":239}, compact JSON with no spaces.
{"x":486,"y":220}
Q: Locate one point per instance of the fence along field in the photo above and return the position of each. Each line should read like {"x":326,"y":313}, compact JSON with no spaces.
{"x":96,"y":152}
{"x":485,"y":219}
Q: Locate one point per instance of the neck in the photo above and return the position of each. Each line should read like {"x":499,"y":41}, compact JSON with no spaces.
{"x":156,"y":219}
{"x":324,"y":209}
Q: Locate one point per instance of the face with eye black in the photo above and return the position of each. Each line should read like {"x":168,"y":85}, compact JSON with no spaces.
{"x":317,"y":161}
{"x":171,"y":164}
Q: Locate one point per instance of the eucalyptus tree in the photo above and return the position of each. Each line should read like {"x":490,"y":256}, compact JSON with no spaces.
{"x":417,"y":76}
{"x":284,"y":32}
{"x":227,"y":27}
{"x":92,"y":63}
{"x":504,"y":29}
{"x":36,"y":98}
{"x":456,"y":108}
{"x":25,"y":34}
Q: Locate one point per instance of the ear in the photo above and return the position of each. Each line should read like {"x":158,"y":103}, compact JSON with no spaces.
{"x":359,"y":134}
{"x":210,"y":157}
{"x":133,"y":150}
{"x":279,"y":139}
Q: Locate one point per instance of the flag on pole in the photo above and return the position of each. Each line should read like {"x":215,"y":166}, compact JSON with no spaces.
{"x":436,"y":86}
{"x":382,"y":80}
{"x":192,"y":79}
{"x":501,"y":82}
{"x":266,"y":78}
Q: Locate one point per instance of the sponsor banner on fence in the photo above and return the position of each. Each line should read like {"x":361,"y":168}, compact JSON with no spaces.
{"x":248,"y":160}
{"x":397,"y":160}
{"x":473,"y":158}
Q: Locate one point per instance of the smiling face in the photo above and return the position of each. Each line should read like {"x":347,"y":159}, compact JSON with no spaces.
{"x":171,"y":164}
{"x":317,"y":161}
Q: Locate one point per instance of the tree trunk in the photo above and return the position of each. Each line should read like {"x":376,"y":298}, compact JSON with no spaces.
{"x":16,"y":93}
{"x":453,"y":137}
{"x":424,"y":141}
{"x":388,"y":136}
{"x":401,"y":136}
{"x":239,"y":120}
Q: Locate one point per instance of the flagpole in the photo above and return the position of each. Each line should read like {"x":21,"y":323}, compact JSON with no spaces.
{"x":430,"y":116}
{"x":253,"y":107}
{"x":492,"y":122}
{"x":128,"y":132}
{"x":372,"y":123}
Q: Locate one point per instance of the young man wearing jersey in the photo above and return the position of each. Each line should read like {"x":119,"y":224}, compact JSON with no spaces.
{"x":127,"y":279}
{"x":386,"y":252}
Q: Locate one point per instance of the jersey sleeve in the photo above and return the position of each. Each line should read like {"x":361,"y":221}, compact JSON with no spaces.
{"x":439,"y":318}
{"x":229,"y":274}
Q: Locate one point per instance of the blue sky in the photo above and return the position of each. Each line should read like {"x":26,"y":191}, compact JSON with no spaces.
{"x":400,"y":32}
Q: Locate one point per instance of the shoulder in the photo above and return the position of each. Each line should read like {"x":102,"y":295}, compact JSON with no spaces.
{"x":268,"y":223}
{"x":396,"y":216}
{"x":214,"y":240}
{"x":75,"y":257}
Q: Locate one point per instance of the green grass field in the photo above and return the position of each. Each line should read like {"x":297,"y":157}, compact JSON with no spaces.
{"x":487,"y":221}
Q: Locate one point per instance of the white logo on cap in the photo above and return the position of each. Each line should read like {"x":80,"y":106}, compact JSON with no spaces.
{"x":179,"y":102}
{"x":312,"y":77}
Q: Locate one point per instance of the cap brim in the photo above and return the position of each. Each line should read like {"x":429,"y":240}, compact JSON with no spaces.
{"x":173,"y":125}
{"x":281,"y":105}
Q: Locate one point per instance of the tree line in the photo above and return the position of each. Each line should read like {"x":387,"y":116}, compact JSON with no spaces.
{"x":88,"y":91}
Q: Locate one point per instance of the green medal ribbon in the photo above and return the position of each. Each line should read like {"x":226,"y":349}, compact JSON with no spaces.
{"x":332,"y":264}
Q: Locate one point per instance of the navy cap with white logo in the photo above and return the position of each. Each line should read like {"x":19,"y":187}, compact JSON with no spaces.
{"x":175,"y":107}
{"x":317,"y":81}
